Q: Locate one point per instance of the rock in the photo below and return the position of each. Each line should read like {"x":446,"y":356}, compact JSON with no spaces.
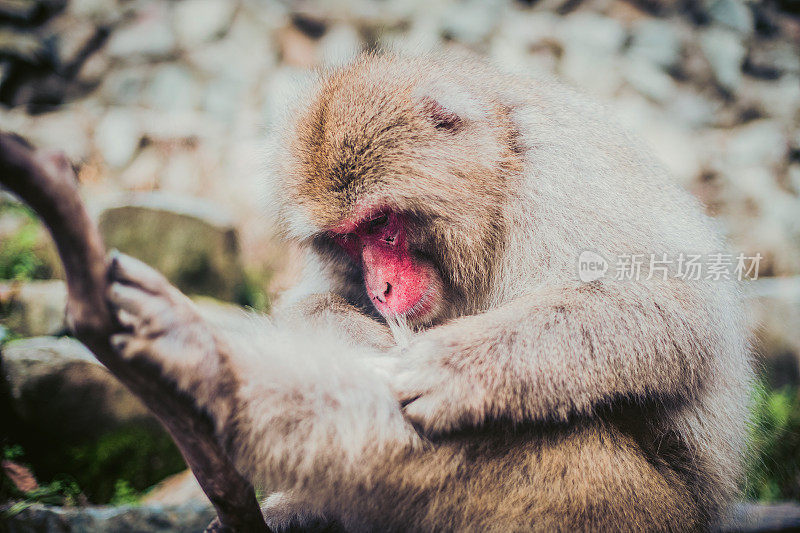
{"x":776,"y":326}
{"x":192,"y":242}
{"x":588,"y":32}
{"x":470,"y":22}
{"x":793,"y":176}
{"x":772,"y":59}
{"x":581,"y":69}
{"x":758,"y":143}
{"x":66,"y":130}
{"x":660,"y":6}
{"x":21,"y":46}
{"x":74,"y":39}
{"x":657,"y":41}
{"x":124,"y":86}
{"x":34,"y":308}
{"x":672,"y":143}
{"x":222,"y":61}
{"x":527,"y":41}
{"x":748,"y":517}
{"x":279,"y":91}
{"x":590,"y":43}
{"x":172,"y":88}
{"x":94,"y":69}
{"x":59,"y":388}
{"x":297,"y":49}
{"x":154,"y":518}
{"x":179,"y":489}
{"x":99,"y":11}
{"x":149,"y":35}
{"x":200,"y":21}
{"x":734,"y":14}
{"x":761,"y":217}
{"x":771,"y":98}
{"x":339,"y":46}
{"x":182,"y":171}
{"x":421,"y":37}
{"x":24,"y":10}
{"x":176,"y":126}
{"x":725,"y":53}
{"x":117,"y":137}
{"x":222,"y":98}
{"x":143,"y":173}
{"x":649,"y":80}
{"x":692,"y":109}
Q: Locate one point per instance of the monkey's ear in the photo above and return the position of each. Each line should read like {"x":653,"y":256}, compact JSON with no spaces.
{"x":442,"y":118}
{"x":450,"y":108}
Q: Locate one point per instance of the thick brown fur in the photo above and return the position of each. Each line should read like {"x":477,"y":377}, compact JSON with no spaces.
{"x":531,"y":400}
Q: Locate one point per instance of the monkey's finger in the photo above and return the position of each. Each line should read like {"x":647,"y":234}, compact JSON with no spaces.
{"x":407,"y":385}
{"x":127,"y":320}
{"x":129,"y":345}
{"x":131,"y":271}
{"x":406,"y":392}
{"x":425,"y":414}
{"x":120,"y":342}
{"x":405,"y":402}
{"x":133,"y":301}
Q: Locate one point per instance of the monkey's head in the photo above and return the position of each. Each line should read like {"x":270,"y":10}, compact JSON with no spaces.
{"x":400,"y":179}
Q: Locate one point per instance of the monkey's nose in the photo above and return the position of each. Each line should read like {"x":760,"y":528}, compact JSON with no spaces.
{"x":382,"y":298}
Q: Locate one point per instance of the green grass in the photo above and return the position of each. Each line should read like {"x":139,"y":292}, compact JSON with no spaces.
{"x":121,"y":464}
{"x":251,"y":294}
{"x":21,"y":253}
{"x":61,"y":491}
{"x":773,"y":472}
{"x":116,"y":468}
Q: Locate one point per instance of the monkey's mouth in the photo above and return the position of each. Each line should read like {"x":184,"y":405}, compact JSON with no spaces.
{"x":421,"y":313}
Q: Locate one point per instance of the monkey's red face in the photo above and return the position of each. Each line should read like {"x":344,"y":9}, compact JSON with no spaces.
{"x":397,"y":282}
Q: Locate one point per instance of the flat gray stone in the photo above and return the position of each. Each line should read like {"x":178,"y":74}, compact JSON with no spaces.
{"x":189,"y":517}
{"x":35,"y":308}
{"x":191,"y":241}
{"x":58,"y":386}
{"x":725,"y":53}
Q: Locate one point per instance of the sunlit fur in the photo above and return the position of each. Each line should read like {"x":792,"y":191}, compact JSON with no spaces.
{"x":536,"y":174}
{"x":533,"y":401}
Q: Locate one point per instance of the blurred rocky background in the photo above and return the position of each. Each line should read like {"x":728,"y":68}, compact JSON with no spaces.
{"x":163,"y":106}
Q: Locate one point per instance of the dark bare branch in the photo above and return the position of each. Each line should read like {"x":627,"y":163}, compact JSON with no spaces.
{"x":47,"y":183}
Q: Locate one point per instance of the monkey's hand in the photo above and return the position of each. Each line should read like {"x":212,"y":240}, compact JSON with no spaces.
{"x":439,"y":383}
{"x":165,"y":330}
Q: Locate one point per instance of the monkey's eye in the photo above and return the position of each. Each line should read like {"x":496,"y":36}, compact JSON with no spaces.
{"x":344,"y":238}
{"x":348,"y":242}
{"x":377,"y":224}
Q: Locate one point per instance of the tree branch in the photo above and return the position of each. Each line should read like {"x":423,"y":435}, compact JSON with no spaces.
{"x":47,"y":184}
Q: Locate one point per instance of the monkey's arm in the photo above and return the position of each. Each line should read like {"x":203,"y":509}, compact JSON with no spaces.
{"x":559,"y":352}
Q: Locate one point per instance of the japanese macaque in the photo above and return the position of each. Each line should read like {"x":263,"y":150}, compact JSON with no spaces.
{"x":442,"y":367}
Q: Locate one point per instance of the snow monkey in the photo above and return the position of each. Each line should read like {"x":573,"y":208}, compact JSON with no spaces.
{"x":442,"y":367}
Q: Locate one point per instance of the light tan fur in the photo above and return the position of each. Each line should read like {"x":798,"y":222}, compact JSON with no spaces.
{"x":532,"y":401}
